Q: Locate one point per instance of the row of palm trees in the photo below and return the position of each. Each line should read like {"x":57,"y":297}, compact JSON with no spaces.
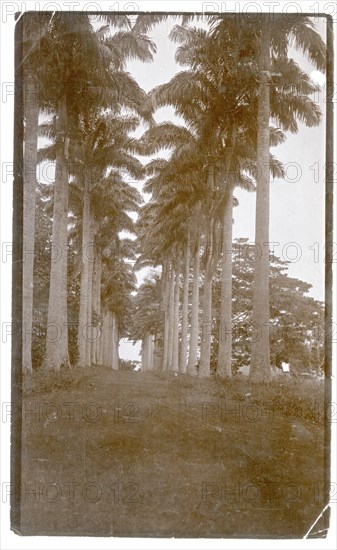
{"x":76,"y":75}
{"x":238,"y":77}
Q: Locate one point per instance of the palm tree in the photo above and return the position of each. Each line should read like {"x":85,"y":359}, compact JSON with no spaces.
{"x":233,"y":47}
{"x":189,"y":94}
{"x":260,"y":355}
{"x":34,"y":25}
{"x":274,"y":42}
{"x":87,"y":70}
{"x":68,"y":41}
{"x":227,"y":80}
{"x":146,"y":318}
{"x":118,"y":283}
{"x":100,"y":214}
{"x":198,"y":95}
{"x":210,"y":262}
{"x":105,"y":143}
{"x":184,"y":319}
{"x":114,"y":199}
{"x":239,"y":157}
{"x":176,"y":304}
{"x":96,"y":307}
{"x":194,"y":326}
{"x":30,"y":157}
{"x":105,"y":146}
{"x":176,"y":186}
{"x":223,"y":117}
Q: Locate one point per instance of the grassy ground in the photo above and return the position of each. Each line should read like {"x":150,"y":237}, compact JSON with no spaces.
{"x":146,"y":454}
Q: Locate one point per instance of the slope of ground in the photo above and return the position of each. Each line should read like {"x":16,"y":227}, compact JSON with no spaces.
{"x":146,"y":454}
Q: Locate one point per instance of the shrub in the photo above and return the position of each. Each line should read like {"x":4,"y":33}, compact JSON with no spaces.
{"x":45,"y":381}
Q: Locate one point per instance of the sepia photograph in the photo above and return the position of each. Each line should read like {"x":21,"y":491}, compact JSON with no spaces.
{"x":172,"y":274}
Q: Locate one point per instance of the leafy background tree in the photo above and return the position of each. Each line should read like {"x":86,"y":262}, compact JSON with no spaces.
{"x":297,"y":320}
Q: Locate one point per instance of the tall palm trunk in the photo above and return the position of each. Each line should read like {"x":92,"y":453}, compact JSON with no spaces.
{"x":106,"y":337}
{"x":206,"y":334}
{"x":224,"y":368}
{"x":144,"y":353}
{"x":57,"y":329}
{"x":100,"y":344}
{"x":147,"y":352}
{"x":29,"y":199}
{"x":224,"y":365}
{"x":91,"y":257}
{"x":83,"y":327}
{"x":184,"y":319}
{"x":260,"y":355}
{"x":170,"y":319}
{"x":165,"y":302}
{"x":96,"y":306}
{"x":101,"y":335}
{"x":157,"y":352}
{"x":115,"y":342}
{"x":194,"y":332}
{"x":151,"y":351}
{"x":109,"y":339}
{"x":175,"y":344}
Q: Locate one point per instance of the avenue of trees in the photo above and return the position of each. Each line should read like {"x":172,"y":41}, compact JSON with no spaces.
{"x":208,"y":304}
